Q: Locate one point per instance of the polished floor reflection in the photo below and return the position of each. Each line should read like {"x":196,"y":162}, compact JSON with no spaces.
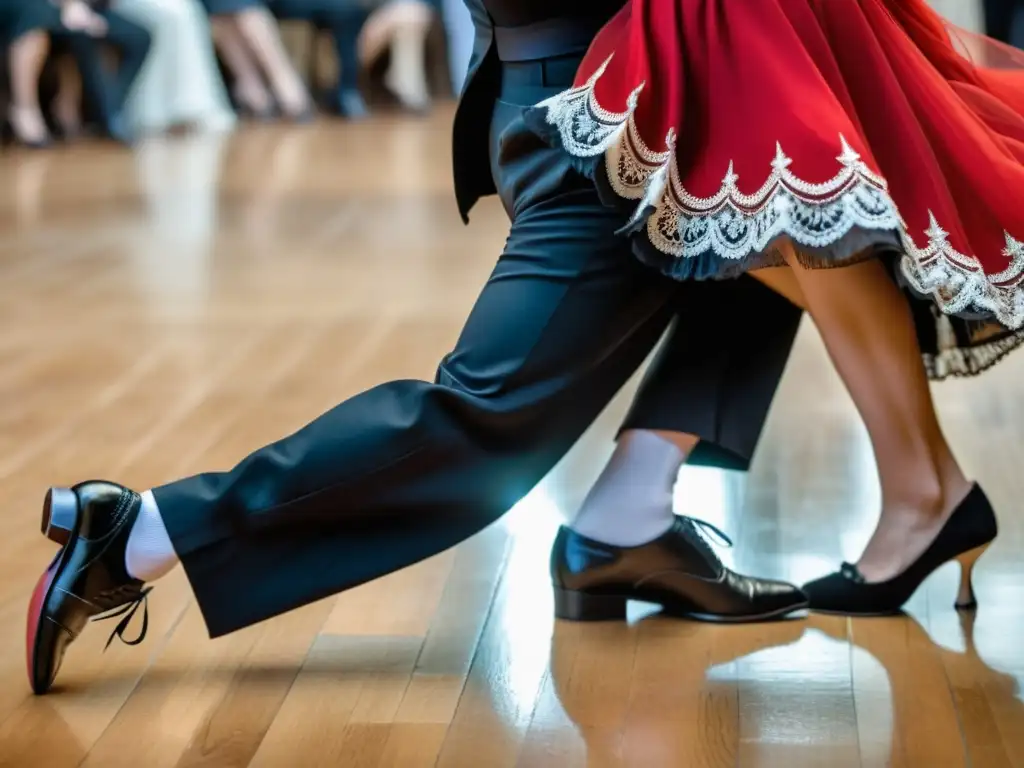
{"x":165,"y":312}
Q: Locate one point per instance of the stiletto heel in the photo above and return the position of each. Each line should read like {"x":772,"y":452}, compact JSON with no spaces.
{"x":965,"y":599}
{"x":60,"y":514}
{"x":582,"y":606}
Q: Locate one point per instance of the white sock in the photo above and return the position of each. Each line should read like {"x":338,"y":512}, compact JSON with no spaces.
{"x":631,"y":502}
{"x":149,"y":554}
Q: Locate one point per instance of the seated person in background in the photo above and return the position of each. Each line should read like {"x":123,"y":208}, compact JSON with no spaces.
{"x":249,"y":43}
{"x":400,"y":28}
{"x":1004,"y":20}
{"x":344,"y":20}
{"x":82,"y":33}
{"x":25,"y":43}
{"x":180,"y":84}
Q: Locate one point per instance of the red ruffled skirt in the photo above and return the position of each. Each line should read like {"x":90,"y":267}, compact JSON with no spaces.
{"x":854,"y":127}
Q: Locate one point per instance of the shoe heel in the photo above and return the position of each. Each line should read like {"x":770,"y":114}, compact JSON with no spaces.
{"x":965,"y":598}
{"x":60,"y":512}
{"x":580,"y":606}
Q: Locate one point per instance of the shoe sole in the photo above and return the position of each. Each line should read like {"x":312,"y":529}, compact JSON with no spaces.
{"x":60,"y":524}
{"x":855,"y":615}
{"x":581,"y":607}
{"x":712,"y":618}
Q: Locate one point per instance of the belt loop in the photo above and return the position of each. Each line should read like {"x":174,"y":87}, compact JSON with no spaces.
{"x":545,"y":73}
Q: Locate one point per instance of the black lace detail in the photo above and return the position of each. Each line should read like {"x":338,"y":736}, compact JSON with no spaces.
{"x":127,"y":611}
{"x":693,"y":527}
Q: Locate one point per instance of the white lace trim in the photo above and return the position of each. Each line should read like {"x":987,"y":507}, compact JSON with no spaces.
{"x":733,"y":225}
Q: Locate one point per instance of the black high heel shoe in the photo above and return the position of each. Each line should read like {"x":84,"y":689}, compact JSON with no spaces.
{"x":966,"y":535}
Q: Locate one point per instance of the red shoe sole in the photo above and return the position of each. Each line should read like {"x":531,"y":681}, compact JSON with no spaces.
{"x":35,"y":618}
{"x":54,"y":506}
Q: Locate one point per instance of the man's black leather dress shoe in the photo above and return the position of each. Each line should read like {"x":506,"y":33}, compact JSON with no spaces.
{"x":87,"y":580}
{"x":678,"y":570}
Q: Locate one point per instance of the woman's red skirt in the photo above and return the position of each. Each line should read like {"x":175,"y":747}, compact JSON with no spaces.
{"x":853,"y":127}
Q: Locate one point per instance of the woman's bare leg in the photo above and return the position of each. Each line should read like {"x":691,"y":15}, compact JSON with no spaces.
{"x":26,"y":57}
{"x":259,"y":30}
{"x":407,"y":76}
{"x":67,"y":104}
{"x":783,"y":282}
{"x":867,"y":327}
{"x":248,"y":90}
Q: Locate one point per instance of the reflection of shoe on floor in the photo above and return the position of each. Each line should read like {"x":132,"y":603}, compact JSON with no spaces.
{"x":679,"y":571}
{"x":730,"y":644}
{"x":671,"y":668}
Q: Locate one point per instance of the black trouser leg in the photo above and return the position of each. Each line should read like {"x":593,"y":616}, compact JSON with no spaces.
{"x":345,"y":24}
{"x":999,"y":18}
{"x":343,"y":19}
{"x":105,"y":94}
{"x":18,"y":17}
{"x":97,"y":91}
{"x":1017,"y":26}
{"x":718,"y":370}
{"x":409,"y":468}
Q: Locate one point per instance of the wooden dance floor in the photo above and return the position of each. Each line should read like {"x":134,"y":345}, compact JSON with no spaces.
{"x":165,"y":312}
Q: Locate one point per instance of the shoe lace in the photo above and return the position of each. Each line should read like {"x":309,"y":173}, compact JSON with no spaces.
{"x":127,"y":612}
{"x":694,"y":527}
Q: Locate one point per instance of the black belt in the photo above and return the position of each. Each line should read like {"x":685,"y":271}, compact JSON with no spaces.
{"x":553,"y":74}
{"x":544,"y":39}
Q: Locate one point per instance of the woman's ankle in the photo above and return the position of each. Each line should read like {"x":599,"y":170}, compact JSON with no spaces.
{"x":924,"y":498}
{"x":955,"y":490}
{"x":955,"y":484}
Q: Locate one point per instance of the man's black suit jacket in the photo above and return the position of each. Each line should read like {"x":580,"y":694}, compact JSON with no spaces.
{"x":471,"y":130}
{"x":483,"y":81}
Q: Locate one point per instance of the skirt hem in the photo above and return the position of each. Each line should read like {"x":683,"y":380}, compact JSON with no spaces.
{"x":947,"y":350}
